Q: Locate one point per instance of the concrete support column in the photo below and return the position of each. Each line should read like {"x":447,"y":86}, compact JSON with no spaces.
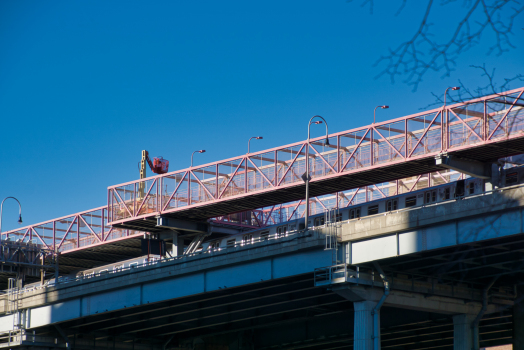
{"x":518,"y":320}
{"x":494,"y":182}
{"x":178,"y":245}
{"x":363,"y":334}
{"x":462,"y":332}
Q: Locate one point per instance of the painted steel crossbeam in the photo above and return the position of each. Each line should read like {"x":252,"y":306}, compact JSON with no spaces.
{"x":273,"y":176}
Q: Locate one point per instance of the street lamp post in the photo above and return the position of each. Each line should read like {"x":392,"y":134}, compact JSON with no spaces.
{"x":305,"y":176}
{"x":2,"y":211}
{"x":249,"y":141}
{"x":446,"y":93}
{"x":192,"y":154}
{"x":375,"y":112}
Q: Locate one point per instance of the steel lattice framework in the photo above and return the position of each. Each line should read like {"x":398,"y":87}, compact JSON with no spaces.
{"x":90,"y":229}
{"x":482,"y":129}
{"x":72,"y":232}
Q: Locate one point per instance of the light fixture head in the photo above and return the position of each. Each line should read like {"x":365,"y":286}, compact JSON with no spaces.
{"x":384,"y":107}
{"x":327,"y":142}
{"x":202,"y":151}
{"x":318,"y":122}
{"x":258,"y":138}
{"x":20,"y":219}
{"x":455,"y":88}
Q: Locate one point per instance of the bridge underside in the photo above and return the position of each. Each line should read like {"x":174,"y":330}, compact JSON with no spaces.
{"x":475,"y":264}
{"x":483,"y":153}
{"x":101,"y":254}
{"x":287,"y":313}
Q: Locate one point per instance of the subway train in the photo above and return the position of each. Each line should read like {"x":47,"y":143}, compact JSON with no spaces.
{"x":428,"y":196}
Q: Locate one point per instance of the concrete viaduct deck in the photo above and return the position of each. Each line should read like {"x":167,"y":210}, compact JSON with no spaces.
{"x":439,"y":260}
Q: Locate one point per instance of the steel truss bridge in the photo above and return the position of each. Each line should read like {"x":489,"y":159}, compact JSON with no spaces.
{"x":358,"y":165}
{"x":483,"y":129}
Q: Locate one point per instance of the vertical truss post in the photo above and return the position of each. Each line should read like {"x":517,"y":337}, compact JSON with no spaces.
{"x":103,"y":218}
{"x":54,"y":235}
{"x":77,"y":231}
{"x":338,"y":155}
{"x":485,"y":122}
{"x":189,"y":188}
{"x":371,"y":147}
{"x":448,"y":136}
{"x":276,"y":168}
{"x":216,"y":182}
{"x":158,"y":193}
{"x":135,"y":198}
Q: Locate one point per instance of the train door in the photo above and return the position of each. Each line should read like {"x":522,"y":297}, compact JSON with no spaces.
{"x":460,"y":188}
{"x":354,"y":213}
{"x":430,"y":197}
{"x":392,"y":205}
{"x":281,"y":231}
{"x":446,"y":193}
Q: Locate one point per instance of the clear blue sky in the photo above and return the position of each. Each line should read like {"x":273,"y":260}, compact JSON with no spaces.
{"x":86,"y":85}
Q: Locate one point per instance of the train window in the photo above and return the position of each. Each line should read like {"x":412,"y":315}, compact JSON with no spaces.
{"x":373,"y":209}
{"x":354,"y":213}
{"x":103,"y":272}
{"x":292,"y":228}
{"x":511,"y":178}
{"x":247,"y":239}
{"x":133,"y":265}
{"x":230,"y":243}
{"x":411,"y":201}
{"x":319,"y":221}
{"x":392,"y":205}
{"x":447,"y":193}
{"x":471,"y":188}
{"x":214,"y":245}
{"x":338,"y":218}
{"x":264,"y":235}
{"x":118,"y":268}
{"x":281,"y":231}
{"x":434,"y":196}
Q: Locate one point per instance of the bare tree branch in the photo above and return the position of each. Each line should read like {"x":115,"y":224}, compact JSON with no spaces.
{"x":423,"y":52}
{"x":467,"y":93}
{"x":364,"y":2}
{"x":401,"y":7}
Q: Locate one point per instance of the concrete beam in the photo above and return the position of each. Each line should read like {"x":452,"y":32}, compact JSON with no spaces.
{"x":181,"y":225}
{"x":415,"y":230}
{"x":413,"y":301}
{"x":224,"y":230}
{"x":469,"y":167}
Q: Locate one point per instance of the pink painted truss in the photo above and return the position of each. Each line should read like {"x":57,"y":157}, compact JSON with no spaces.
{"x":90,"y":228}
{"x":473,"y":128}
{"x":71,"y":232}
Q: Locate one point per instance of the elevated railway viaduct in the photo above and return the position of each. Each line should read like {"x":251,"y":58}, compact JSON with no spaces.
{"x":279,"y":294}
{"x":438,"y":276}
